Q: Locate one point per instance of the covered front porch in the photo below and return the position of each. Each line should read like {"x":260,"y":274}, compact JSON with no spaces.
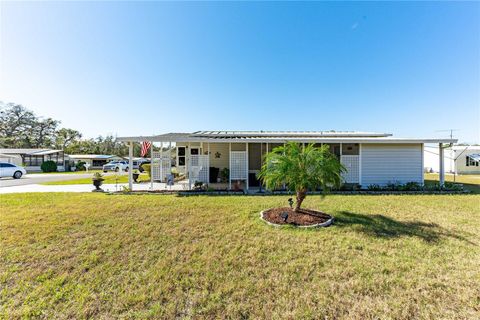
{"x":199,"y":165}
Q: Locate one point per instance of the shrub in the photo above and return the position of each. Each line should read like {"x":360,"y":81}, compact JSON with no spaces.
{"x":393,"y":186}
{"x":80,"y":165}
{"x":349,"y":187}
{"x":450,"y":186}
{"x":49,"y":166}
{"x":147,"y":167}
{"x":412,"y":186}
{"x":374,"y":187}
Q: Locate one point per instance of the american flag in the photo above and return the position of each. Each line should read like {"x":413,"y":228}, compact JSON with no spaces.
{"x":145,"y":146}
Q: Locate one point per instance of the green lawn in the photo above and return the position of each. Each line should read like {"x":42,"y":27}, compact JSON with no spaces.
{"x":67,"y":172}
{"x":152,"y":256}
{"x":108,"y":179}
{"x":470,"y":182}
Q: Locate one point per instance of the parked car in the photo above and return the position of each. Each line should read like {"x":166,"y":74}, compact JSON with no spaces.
{"x":116,"y":166}
{"x":11,"y":170}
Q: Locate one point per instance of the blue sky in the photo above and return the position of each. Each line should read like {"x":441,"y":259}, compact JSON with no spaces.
{"x":146,"y":68}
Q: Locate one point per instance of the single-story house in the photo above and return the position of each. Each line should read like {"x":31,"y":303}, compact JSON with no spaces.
{"x":370,"y":158}
{"x":457,"y":159}
{"x":95,"y":161}
{"x":32,"y":158}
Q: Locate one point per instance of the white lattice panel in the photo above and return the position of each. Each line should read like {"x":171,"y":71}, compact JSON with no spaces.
{"x":238,"y":165}
{"x":198,"y":168}
{"x":161,"y":166}
{"x":352,"y":164}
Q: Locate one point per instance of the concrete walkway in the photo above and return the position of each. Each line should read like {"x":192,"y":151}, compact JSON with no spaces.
{"x":38,"y":178}
{"x":87,"y":187}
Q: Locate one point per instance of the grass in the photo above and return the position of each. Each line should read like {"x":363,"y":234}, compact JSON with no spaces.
{"x":470,"y":182}
{"x":151,"y":256}
{"x":110,"y":179}
{"x":66,"y":172}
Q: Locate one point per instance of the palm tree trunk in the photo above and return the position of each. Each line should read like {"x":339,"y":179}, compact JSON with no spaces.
{"x":301,"y":194}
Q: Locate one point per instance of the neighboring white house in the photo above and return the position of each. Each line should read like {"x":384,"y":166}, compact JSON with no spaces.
{"x":370,"y":158}
{"x":95,"y":161}
{"x":32,"y":159}
{"x":458,"y":159}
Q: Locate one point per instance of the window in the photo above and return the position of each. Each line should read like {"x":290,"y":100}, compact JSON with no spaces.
{"x":471,"y":162}
{"x":98,"y":163}
{"x":6,"y":165}
{"x":33,"y":161}
{"x":55,"y":157}
{"x":181,"y":156}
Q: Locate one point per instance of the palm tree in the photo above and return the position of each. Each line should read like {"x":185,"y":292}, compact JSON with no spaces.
{"x":301,"y":168}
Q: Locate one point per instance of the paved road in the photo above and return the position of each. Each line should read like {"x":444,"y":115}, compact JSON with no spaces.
{"x":37,"y":178}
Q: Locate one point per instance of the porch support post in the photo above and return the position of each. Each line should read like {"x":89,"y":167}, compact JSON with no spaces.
{"x":208,"y":158}
{"x":360,"y":164}
{"x":284,"y":185}
{"x":151,"y":165}
{"x":161,"y":160}
{"x":441,"y":172}
{"x":130,"y":166}
{"x":246,"y":182}
{"x":230,"y":166}
{"x":187,"y":166}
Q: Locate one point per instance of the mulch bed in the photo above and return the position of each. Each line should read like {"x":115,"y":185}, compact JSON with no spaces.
{"x":305,"y":217}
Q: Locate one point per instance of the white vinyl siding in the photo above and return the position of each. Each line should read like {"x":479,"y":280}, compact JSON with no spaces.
{"x":396,"y":163}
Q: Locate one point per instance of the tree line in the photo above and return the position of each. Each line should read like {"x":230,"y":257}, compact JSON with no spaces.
{"x":22,"y":128}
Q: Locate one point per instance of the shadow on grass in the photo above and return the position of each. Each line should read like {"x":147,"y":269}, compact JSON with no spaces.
{"x":384,"y":227}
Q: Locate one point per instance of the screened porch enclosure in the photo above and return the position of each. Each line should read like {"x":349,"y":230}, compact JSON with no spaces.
{"x":228,"y":165}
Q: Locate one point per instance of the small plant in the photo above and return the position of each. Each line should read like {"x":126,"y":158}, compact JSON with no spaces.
{"x":98,"y":176}
{"x":224,"y":175}
{"x":349,"y":187}
{"x":374,"y":187}
{"x":49,"y":166}
{"x":126,"y":189}
{"x":453,"y":186}
{"x":175,"y":172}
{"x":412,"y":186}
{"x":393,"y":186}
{"x":135,"y":175}
{"x":97,"y":181}
{"x":199,"y":186}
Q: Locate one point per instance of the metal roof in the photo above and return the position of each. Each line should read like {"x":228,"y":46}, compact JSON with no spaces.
{"x":282,"y":136}
{"x":287,"y":134}
{"x":29,"y":151}
{"x":92,"y":156}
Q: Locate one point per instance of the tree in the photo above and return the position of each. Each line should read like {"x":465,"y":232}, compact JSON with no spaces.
{"x":16,"y":123}
{"x":65,"y":137}
{"x":301,"y":168}
{"x":43,"y":133}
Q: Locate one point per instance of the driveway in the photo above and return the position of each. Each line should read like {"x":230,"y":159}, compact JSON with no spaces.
{"x":38,"y":178}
